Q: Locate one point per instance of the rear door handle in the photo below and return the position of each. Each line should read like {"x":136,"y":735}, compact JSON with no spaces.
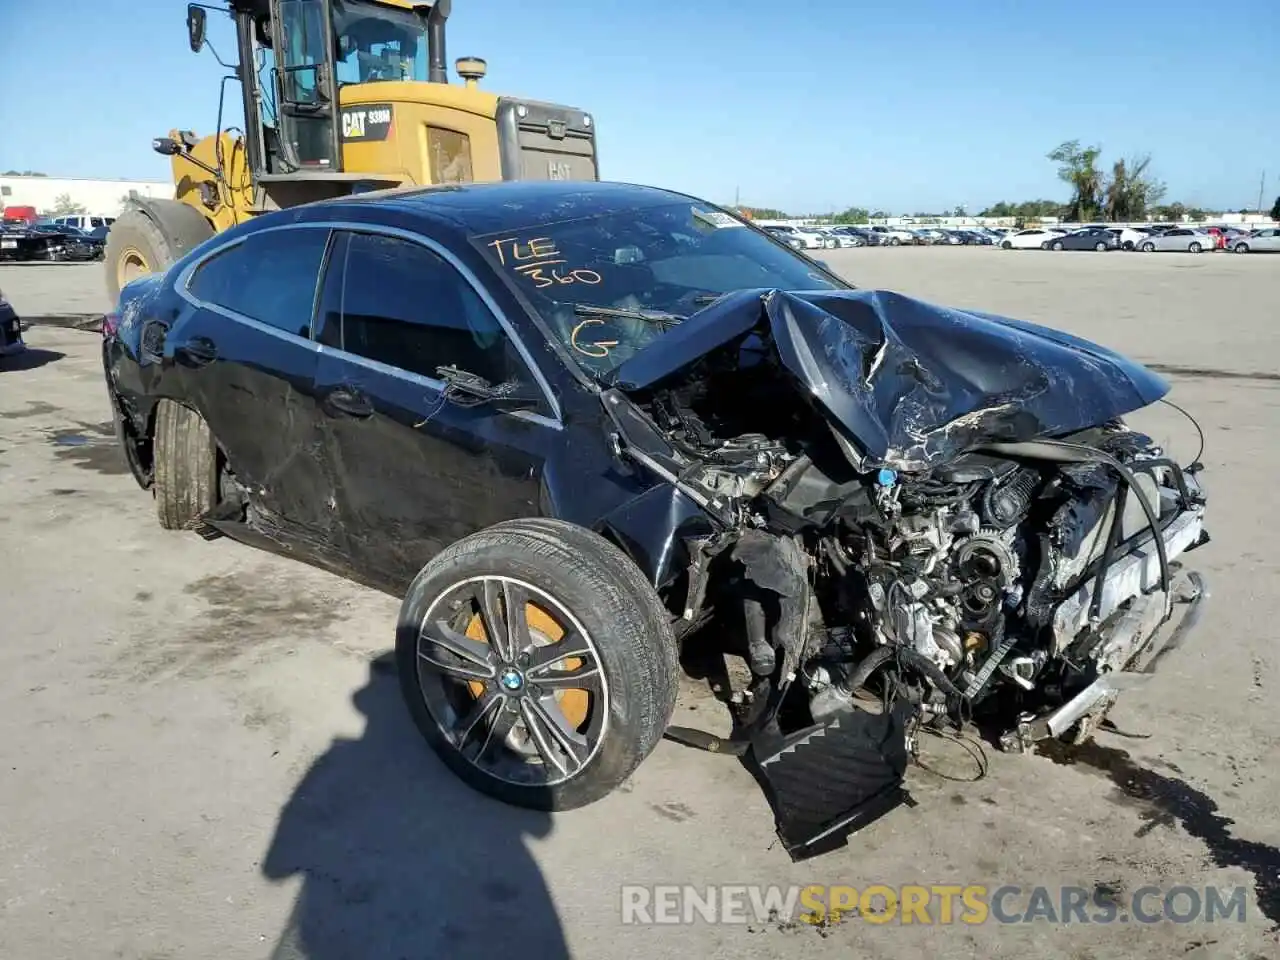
{"x":348,"y":401}
{"x":197,"y":352}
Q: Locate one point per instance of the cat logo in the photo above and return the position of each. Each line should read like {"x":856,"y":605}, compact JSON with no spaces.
{"x":371,"y":121}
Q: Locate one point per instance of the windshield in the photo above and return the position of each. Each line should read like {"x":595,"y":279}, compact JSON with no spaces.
{"x":378,"y":43}
{"x":668,"y":261}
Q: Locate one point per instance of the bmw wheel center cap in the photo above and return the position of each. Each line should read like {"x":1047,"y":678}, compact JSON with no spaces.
{"x":511,"y":680}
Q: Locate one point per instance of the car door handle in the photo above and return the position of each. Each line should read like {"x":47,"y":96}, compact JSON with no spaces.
{"x":347,"y":401}
{"x":197,"y":352}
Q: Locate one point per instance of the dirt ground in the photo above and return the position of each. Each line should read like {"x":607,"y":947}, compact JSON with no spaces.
{"x":203,"y":756}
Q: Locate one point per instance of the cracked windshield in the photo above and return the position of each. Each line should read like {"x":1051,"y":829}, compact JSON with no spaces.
{"x":609,"y":285}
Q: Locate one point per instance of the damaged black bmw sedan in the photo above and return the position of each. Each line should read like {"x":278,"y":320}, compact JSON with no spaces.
{"x":581,"y":427}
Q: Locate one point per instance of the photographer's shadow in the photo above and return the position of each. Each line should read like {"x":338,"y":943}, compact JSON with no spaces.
{"x":402,"y":861}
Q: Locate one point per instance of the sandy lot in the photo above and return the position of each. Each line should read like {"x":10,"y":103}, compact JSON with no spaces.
{"x":204,"y":758}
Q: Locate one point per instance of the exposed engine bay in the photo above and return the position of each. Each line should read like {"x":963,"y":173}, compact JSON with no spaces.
{"x":1015,"y":581}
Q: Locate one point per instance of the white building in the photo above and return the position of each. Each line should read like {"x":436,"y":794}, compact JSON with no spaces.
{"x":99,"y":197}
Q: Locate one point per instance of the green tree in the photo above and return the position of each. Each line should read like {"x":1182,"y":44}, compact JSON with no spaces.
{"x":63,"y":205}
{"x":1195,"y":213}
{"x":23,"y":173}
{"x":960,"y":211}
{"x":1275,"y":209}
{"x":879,"y":215}
{"x":851,"y":215}
{"x":1078,"y":167}
{"x":1131,"y":190}
{"x":1169,"y":211}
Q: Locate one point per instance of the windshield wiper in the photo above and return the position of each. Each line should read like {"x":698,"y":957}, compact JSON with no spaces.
{"x":627,"y":313}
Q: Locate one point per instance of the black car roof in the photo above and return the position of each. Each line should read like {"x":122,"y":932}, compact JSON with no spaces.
{"x":482,"y":208}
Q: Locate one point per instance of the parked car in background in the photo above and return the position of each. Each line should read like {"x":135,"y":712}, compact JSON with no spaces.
{"x":1127,"y":237}
{"x":1031,"y":239}
{"x":1260,"y":241}
{"x":1090,"y":238}
{"x":839,"y":238}
{"x":980,"y":237}
{"x":786,"y":234}
{"x":10,"y":329}
{"x":868,"y":236}
{"x":931,"y":234}
{"x":951,"y":238}
{"x":69,"y":243}
{"x":82,"y":221}
{"x":850,"y":237}
{"x":1179,"y":238}
{"x":895,"y":235}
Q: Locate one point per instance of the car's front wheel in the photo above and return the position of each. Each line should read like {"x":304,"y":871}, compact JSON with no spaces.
{"x":1148,"y":247}
{"x":1007,"y":245}
{"x":538,"y":662}
{"x":1057,"y":244}
{"x":1242,"y":248}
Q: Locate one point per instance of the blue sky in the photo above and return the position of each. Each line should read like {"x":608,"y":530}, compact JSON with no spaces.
{"x":906,"y":105}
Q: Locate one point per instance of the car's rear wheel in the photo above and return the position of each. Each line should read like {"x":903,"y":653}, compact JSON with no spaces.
{"x":538,"y":662}
{"x":1242,"y":248}
{"x":1127,"y":245}
{"x":1194,"y":248}
{"x":894,"y":241}
{"x":186,"y":466}
{"x":1148,"y":247}
{"x":1100,"y":247}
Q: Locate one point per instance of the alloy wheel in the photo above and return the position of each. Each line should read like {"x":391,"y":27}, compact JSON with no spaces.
{"x":512,"y":680}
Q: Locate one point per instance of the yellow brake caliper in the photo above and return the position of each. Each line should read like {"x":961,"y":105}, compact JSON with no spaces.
{"x":574,"y":704}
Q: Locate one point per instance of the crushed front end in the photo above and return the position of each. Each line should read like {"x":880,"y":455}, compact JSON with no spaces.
{"x":908,"y":538}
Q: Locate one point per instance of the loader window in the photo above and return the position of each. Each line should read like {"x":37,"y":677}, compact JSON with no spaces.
{"x":376,"y":43}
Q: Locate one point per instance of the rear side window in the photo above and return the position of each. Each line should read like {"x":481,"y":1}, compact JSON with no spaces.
{"x":397,"y":302}
{"x":269,"y":277}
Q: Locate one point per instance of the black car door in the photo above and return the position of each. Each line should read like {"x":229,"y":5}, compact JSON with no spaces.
{"x":248,"y":364}
{"x":415,"y":469}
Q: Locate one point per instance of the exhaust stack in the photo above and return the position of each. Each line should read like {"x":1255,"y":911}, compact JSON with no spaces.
{"x":437,"y":71}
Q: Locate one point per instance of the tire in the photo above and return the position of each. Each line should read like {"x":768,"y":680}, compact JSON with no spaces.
{"x":186,"y":467}
{"x":1194,"y":248}
{"x":137,"y":246}
{"x":1100,"y":247}
{"x":1128,"y":245}
{"x":1242,"y":248}
{"x":572,"y":574}
{"x":1057,"y":245}
{"x":1148,"y":247}
{"x":895,"y":241}
{"x":1006,"y":245}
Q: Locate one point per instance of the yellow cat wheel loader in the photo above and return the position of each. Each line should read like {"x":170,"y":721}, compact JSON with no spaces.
{"x":340,"y":97}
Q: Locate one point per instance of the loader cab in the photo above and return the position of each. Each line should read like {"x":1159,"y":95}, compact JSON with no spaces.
{"x":346,"y":94}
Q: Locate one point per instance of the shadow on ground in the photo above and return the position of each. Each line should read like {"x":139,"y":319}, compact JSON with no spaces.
{"x":29,"y":359}
{"x":399,"y":859}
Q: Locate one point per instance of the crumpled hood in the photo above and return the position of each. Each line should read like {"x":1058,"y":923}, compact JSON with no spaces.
{"x":913,"y":384}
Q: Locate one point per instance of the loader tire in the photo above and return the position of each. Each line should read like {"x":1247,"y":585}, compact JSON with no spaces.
{"x":186,"y":467}
{"x":137,"y":245}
